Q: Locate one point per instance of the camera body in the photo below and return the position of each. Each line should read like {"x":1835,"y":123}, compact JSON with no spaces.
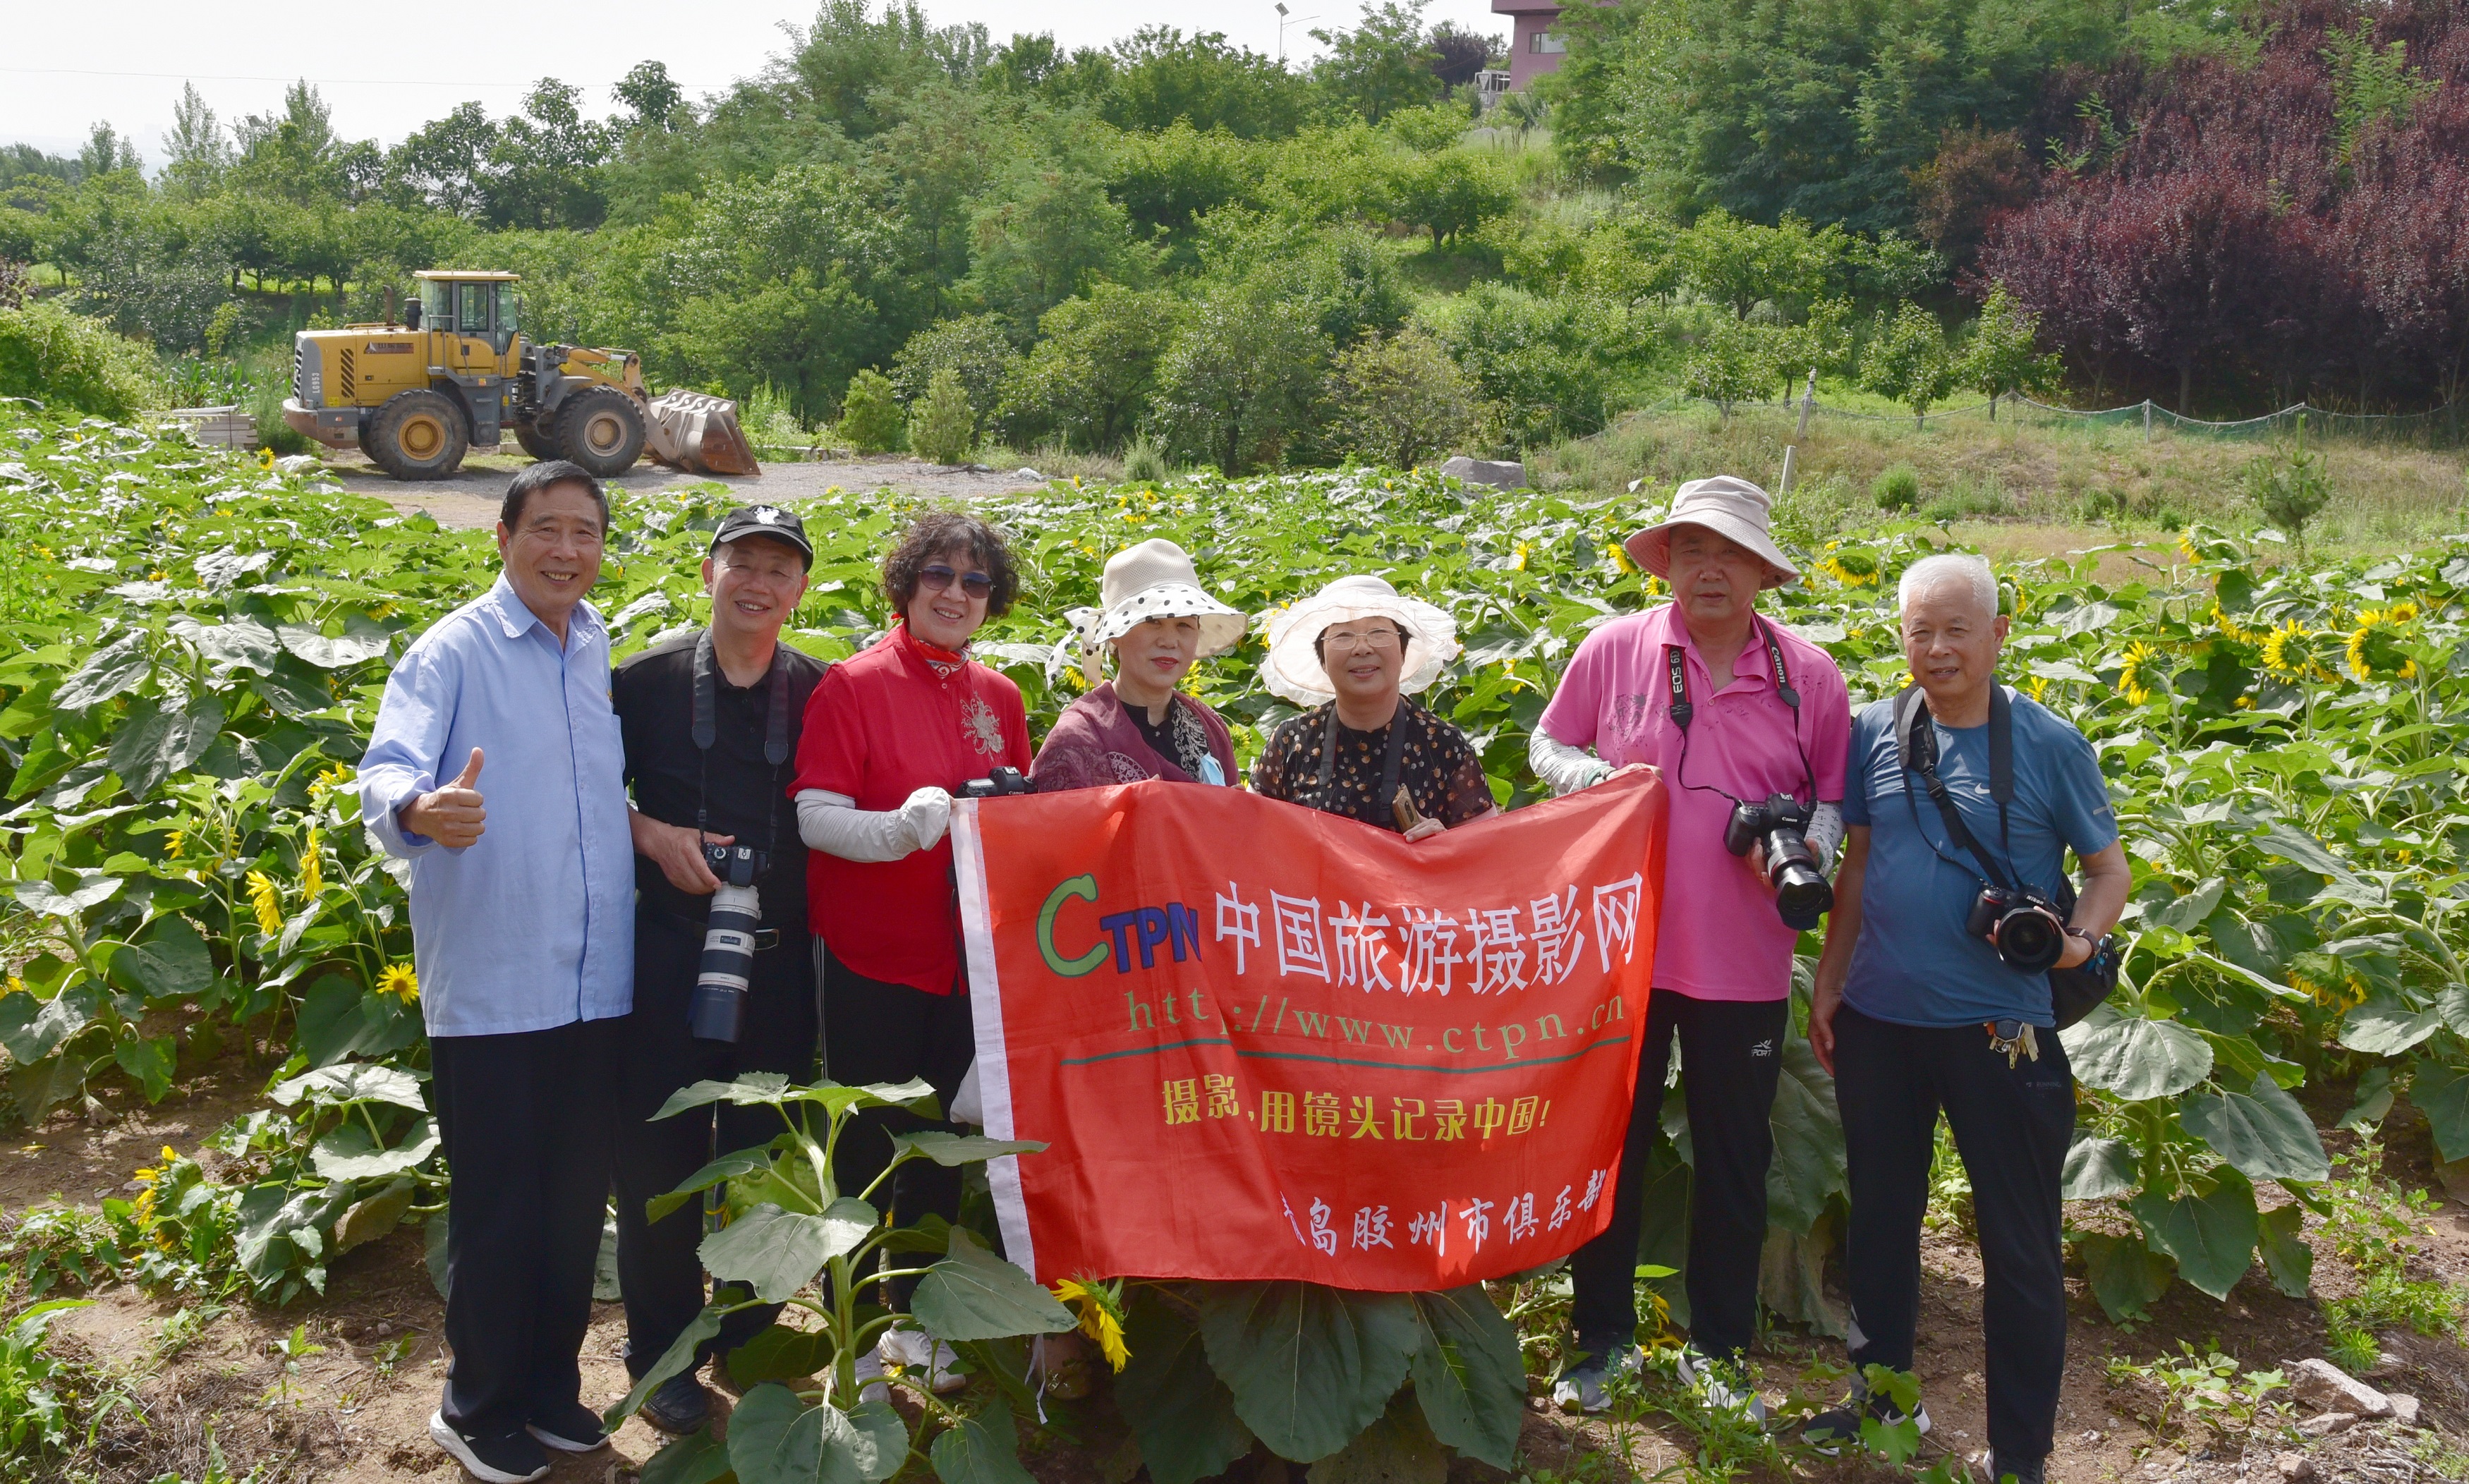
{"x":2023,"y":925}
{"x":736,"y":865}
{"x":715,"y":1010}
{"x":1781,"y":825}
{"x":999,"y":782}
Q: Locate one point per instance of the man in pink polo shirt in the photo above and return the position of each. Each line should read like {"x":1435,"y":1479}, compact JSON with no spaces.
{"x":1759,"y":712}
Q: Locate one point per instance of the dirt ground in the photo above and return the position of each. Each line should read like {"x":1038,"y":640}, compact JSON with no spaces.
{"x":359,"y":1410}
{"x":470,"y":499}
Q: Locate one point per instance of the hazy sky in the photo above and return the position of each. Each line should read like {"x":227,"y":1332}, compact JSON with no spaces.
{"x":386,"y":69}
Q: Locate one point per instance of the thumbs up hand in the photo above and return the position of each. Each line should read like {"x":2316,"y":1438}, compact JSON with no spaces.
{"x":454,"y":815}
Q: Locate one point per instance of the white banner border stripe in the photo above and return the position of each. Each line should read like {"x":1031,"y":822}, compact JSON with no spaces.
{"x":985,"y":1010}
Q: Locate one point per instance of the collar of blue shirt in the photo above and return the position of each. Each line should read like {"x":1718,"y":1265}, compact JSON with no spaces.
{"x":516,"y":617}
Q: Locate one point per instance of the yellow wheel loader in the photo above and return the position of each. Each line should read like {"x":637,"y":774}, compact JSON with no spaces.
{"x":459,"y":373}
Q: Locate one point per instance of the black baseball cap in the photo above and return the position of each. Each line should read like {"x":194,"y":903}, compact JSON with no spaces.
{"x":764,"y":520}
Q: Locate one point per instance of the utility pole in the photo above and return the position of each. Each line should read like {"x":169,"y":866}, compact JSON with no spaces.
{"x":1284,"y":19}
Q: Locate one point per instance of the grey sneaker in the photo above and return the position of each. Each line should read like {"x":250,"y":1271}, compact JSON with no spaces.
{"x":1585,"y":1387}
{"x":1719,"y":1386}
{"x":1831,"y":1432}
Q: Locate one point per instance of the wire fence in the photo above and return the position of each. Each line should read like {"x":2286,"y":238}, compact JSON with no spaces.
{"x":2442,"y":428}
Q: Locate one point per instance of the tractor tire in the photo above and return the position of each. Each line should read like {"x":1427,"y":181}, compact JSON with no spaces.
{"x":361,"y":436}
{"x":419,"y":435}
{"x":602,"y":429}
{"x":537,"y":441}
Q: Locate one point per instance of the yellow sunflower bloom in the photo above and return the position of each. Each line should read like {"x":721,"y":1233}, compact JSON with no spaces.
{"x":313,"y":879}
{"x":267,"y":901}
{"x":171,"y":844}
{"x":2132,"y":674}
{"x":402,"y":982}
{"x":1100,"y":1307}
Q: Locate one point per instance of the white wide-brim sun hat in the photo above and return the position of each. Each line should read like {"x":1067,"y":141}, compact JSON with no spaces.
{"x":1733,"y":509}
{"x":1153,"y":579}
{"x":1294,"y":672}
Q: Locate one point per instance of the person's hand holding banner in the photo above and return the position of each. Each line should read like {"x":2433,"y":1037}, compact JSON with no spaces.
{"x":1267,"y":1042}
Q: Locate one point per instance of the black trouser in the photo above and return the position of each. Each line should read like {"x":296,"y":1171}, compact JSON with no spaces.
{"x":525,"y":1121}
{"x":1731,"y":1051}
{"x":658,"y":1268}
{"x":2012,"y":1125}
{"x":875,"y":1032}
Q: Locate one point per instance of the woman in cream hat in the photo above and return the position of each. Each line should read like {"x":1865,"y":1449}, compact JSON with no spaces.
{"x":1354,"y":652}
{"x":1157,"y":622}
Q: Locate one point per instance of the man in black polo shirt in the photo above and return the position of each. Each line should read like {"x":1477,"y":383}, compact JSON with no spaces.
{"x":720,"y":785}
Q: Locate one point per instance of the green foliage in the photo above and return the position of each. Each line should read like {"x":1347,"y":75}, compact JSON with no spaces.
{"x":1382,"y":65}
{"x":1543,"y":364}
{"x":870,"y":418}
{"x":1729,"y":366}
{"x":942,"y":426}
{"x":1235,"y":387}
{"x":1400,"y":400}
{"x":56,"y":357}
{"x":2371,"y":85}
{"x":1896,"y":490}
{"x":1094,"y":368}
{"x":2289,"y":486}
{"x":1908,"y":361}
{"x":973,"y":348}
{"x":36,"y":1416}
{"x":2210,"y":1390}
{"x":1999,"y":356}
{"x":1449,"y":195}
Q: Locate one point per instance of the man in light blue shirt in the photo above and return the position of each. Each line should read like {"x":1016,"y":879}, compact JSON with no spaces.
{"x":522,"y":921}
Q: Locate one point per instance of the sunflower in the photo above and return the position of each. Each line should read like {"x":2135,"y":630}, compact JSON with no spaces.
{"x":1619,"y":557}
{"x":1100,"y":1307}
{"x":399,"y":981}
{"x":265,"y":899}
{"x":171,"y":844}
{"x":2135,"y":671}
{"x":1519,"y":565}
{"x":313,"y":880}
{"x":2037,"y":688}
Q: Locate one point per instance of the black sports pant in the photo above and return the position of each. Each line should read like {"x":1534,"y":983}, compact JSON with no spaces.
{"x":1731,"y":1051}
{"x":658,"y":1268}
{"x":2012,"y":1125}
{"x":526,"y":1120}
{"x":875,"y":1032}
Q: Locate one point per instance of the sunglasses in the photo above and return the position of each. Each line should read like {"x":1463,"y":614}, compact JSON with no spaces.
{"x":937,"y":578}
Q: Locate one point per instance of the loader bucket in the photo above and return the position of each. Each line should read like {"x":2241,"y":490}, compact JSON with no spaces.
{"x":699,"y":434}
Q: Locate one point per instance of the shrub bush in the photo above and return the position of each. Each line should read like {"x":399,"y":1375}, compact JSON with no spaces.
{"x":942,"y":428}
{"x":1897,"y":488}
{"x":871,"y":413}
{"x":60,"y":358}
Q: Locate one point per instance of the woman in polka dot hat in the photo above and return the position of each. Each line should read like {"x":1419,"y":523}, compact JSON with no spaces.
{"x":1158,"y":623}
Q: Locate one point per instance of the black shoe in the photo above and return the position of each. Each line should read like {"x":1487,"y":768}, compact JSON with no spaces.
{"x":512,"y":1458}
{"x":571,"y":1428}
{"x":679,"y":1405}
{"x":2017,"y":1470}
{"x":1831,"y":1431}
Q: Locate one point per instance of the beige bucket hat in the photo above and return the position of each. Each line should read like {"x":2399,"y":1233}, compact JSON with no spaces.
{"x":1733,"y":509}
{"x":1294,"y":672}
{"x":1153,"y":579}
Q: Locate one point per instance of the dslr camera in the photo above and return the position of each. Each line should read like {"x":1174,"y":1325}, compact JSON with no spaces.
{"x":999,"y":782}
{"x":1781,"y":824}
{"x":715,"y":1010}
{"x":2023,"y":925}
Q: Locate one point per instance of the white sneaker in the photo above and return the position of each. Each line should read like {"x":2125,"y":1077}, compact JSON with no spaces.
{"x":1703,"y":1375}
{"x":870,"y":1376}
{"x":1585,"y":1387}
{"x":917,"y":1350}
{"x":513,"y":1459}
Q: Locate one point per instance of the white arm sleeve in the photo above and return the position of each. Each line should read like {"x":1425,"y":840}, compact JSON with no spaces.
{"x":832,"y":823}
{"x":1825,"y":833}
{"x":1566,"y":768}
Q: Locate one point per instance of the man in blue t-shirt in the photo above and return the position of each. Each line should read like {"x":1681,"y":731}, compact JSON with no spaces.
{"x":1913,"y":1013}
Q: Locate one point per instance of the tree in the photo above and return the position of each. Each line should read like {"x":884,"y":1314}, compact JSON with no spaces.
{"x":1731,"y":363}
{"x":1384,"y":64}
{"x":2001,"y":354}
{"x":1399,"y":400}
{"x":544,"y":162}
{"x":1975,"y":174}
{"x":1908,"y":362}
{"x":1458,"y":53}
{"x":1091,"y":374}
{"x":2289,"y":486}
{"x":1045,"y":232}
{"x":105,"y":151}
{"x":1821,"y":342}
{"x":851,"y":66}
{"x":1450,"y":193}
{"x":973,"y":348}
{"x":942,"y":426}
{"x":653,"y":96}
{"x":870,"y":412}
{"x":1238,"y":382}
{"x":199,"y":146}
{"x":1160,"y":75}
{"x":1741,"y":265}
{"x":1544,"y":365}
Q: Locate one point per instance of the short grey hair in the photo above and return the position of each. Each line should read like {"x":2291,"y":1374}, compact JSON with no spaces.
{"x":1963,"y":567}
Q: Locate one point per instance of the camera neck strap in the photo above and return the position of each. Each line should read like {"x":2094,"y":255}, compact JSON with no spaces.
{"x":1675,"y":664}
{"x":1916,"y":749}
{"x":1392,"y":757}
{"x":706,"y":731}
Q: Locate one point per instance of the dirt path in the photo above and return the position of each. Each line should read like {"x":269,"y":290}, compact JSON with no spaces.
{"x":470,"y":499}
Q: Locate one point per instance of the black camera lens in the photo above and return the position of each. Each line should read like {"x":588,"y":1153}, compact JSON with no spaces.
{"x":1802,"y":893}
{"x":2029,"y":939}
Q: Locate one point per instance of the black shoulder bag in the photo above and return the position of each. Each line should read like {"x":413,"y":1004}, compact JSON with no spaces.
{"x":2072,"y":991}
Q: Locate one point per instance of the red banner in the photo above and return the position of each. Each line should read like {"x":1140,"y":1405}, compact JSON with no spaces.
{"x":1263,"y":1042}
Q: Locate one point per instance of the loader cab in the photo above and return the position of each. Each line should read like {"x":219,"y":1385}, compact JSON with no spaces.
{"x":475,"y":314}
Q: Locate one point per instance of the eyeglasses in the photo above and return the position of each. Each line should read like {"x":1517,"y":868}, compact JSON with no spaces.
{"x":937,"y":578}
{"x":1375,"y":638}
